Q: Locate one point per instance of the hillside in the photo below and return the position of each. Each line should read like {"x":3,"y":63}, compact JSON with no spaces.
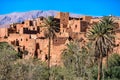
{"x":17,"y":17}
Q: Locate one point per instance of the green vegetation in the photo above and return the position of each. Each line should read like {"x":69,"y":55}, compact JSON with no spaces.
{"x":102,"y":38}
{"x":7,"y":57}
{"x":77,"y":61}
{"x":113,"y":71}
{"x":14,"y":68}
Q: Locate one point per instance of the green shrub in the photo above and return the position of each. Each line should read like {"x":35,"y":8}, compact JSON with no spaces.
{"x":13,"y":68}
{"x":113,"y":71}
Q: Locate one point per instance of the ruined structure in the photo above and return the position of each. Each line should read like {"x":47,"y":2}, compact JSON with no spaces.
{"x":29,"y":36}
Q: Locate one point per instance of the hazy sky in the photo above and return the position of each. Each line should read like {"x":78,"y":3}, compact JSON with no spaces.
{"x":88,"y":7}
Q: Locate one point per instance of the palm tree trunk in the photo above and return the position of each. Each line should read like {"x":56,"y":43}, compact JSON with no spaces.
{"x":49,"y":47}
{"x":107,"y":61}
{"x":100,"y":68}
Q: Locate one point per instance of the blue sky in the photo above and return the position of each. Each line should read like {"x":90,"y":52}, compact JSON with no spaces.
{"x":87,"y":7}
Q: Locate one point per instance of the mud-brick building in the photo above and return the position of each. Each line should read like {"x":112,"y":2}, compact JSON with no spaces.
{"x":29,"y":35}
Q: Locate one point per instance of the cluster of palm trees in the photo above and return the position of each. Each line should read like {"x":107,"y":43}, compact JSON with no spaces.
{"x":101,"y":35}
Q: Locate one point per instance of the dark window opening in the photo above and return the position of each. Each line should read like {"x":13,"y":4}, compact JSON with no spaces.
{"x":23,"y":22}
{"x":46,"y":57}
{"x":17,"y":42}
{"x":75,"y":26}
{"x":41,"y":18}
{"x":26,"y":39}
{"x":83,"y":26}
{"x":23,"y":47}
{"x":69,"y":26}
{"x":36,"y":54}
{"x":60,"y":33}
{"x":37,"y":46}
{"x":14,"y":26}
{"x":33,"y":28}
{"x":81,"y":18}
{"x":70,"y":38}
{"x":30,"y":37}
{"x":38,"y":29}
{"x":31,"y":23}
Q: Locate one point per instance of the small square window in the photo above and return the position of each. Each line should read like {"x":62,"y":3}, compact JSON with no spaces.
{"x":75,"y":26}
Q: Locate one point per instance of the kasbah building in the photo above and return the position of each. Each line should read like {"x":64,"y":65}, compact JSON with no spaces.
{"x":29,"y":36}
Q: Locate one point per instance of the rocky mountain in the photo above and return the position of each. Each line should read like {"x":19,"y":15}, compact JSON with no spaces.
{"x":17,"y":17}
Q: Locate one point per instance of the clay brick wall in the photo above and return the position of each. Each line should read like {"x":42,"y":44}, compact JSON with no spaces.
{"x":77,"y":36}
{"x":65,"y":34}
{"x":64,"y":18}
{"x":39,"y":21}
{"x":56,"y":54}
{"x":13,"y":36}
{"x":12,"y":30}
{"x":33,"y":28}
{"x":22,"y":38}
{"x":27,"y":23}
{"x":31,"y":46}
{"x":42,"y":51}
{"x":118,"y":23}
{"x":34,"y":23}
{"x":94,"y":20}
{"x":78,"y":25}
{"x":33,"y":36}
{"x":57,"y":15}
{"x":21,"y":31}
{"x":74,"y":25}
{"x":117,"y":42}
{"x":19,"y":27}
{"x":83,"y":26}
{"x":3,"y":32}
{"x":87,"y":18}
{"x":59,"y":41}
{"x":43,"y":43}
{"x":62,"y":28}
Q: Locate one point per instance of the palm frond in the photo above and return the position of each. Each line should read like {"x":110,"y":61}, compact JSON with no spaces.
{"x":102,"y":36}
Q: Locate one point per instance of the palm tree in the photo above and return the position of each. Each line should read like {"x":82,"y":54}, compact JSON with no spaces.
{"x":109,"y":22}
{"x":71,"y":58}
{"x":101,"y":35}
{"x":51,"y":26}
{"x":77,"y":60}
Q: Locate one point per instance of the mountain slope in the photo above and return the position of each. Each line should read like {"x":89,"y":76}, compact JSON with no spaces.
{"x":17,"y":17}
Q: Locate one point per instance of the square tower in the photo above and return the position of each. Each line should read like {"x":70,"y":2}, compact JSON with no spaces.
{"x":64,"y":19}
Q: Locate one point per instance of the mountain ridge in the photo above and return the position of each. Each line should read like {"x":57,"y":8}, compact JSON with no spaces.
{"x":17,"y":17}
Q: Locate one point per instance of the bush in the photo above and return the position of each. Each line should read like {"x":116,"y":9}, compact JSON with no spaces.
{"x":7,"y":57}
{"x":113,"y":71}
{"x":13,"y":68}
{"x":29,"y":70}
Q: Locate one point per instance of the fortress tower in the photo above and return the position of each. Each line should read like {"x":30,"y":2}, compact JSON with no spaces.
{"x":64,"y":19}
